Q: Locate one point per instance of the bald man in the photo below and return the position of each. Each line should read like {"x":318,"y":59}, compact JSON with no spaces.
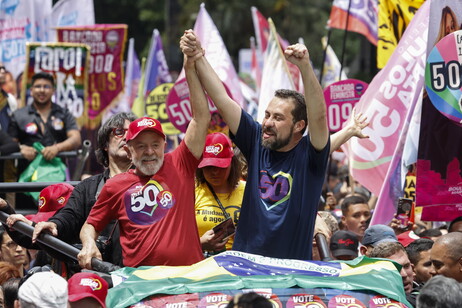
{"x":446,"y":256}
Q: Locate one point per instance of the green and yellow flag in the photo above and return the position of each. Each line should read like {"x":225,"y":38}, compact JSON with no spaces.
{"x":363,"y":281}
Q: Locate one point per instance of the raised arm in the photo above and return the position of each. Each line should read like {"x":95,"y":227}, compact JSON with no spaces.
{"x":314,"y":97}
{"x":197,"y":128}
{"x":228,"y":108}
{"x":353,"y":128}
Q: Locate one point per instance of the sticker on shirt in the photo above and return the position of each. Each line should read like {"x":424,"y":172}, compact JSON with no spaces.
{"x":31,"y":128}
{"x":148,"y":204}
{"x":274,"y":189}
{"x":57,"y":124}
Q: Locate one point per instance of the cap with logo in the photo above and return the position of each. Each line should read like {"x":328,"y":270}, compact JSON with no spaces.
{"x":344,"y":243}
{"x":51,"y":199}
{"x":218,"y":151}
{"x":87,"y":285}
{"x":377,"y":234}
{"x":144,"y":124}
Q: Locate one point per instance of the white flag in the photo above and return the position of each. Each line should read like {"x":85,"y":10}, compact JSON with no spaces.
{"x":71,"y":13}
{"x":275,"y":74}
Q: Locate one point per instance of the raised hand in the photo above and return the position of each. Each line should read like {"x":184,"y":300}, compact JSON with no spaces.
{"x":190,"y":44}
{"x":297,"y":54}
{"x":356,"y":123}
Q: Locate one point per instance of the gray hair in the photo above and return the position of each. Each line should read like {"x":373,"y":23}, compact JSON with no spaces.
{"x":440,"y":292}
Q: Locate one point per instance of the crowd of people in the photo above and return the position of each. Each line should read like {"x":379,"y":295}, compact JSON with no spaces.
{"x":256,"y":190}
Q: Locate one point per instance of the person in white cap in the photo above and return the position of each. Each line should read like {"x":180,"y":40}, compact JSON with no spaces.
{"x":154,"y":203}
{"x":44,"y":290}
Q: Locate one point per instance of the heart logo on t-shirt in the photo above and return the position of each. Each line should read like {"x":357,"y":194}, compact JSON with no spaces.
{"x":274,"y":189}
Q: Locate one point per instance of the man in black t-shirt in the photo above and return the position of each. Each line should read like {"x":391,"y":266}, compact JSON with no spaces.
{"x":45,"y":122}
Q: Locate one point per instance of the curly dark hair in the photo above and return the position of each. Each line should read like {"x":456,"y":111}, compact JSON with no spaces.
{"x":102,"y":139}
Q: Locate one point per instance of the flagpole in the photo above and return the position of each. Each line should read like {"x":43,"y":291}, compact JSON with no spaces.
{"x":324,"y":56}
{"x":345,"y":37}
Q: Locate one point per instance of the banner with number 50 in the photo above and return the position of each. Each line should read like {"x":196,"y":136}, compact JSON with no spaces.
{"x":179,"y":106}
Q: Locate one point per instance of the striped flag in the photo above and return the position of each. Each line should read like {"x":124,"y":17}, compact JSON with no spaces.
{"x":362,"y":18}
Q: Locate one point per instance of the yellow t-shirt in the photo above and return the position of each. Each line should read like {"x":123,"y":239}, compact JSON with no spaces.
{"x":209,"y":214}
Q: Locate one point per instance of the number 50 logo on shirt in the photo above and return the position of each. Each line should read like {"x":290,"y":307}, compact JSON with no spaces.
{"x":148,"y":204}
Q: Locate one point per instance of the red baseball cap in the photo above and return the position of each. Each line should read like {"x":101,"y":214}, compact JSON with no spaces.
{"x":51,"y":199}
{"x":218,"y":151}
{"x":83,"y":285}
{"x":142,"y":124}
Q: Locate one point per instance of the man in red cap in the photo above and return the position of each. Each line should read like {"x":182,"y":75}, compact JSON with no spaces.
{"x":87,"y":290}
{"x":154,"y":203}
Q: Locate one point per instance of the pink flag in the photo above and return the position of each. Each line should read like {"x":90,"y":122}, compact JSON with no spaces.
{"x":216,"y":53}
{"x":389,"y":103}
{"x":363,"y":17}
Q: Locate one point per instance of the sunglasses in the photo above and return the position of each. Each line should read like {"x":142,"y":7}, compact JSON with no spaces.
{"x":119,"y":131}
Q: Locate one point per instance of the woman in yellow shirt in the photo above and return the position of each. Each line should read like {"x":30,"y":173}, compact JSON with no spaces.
{"x":219,"y":192}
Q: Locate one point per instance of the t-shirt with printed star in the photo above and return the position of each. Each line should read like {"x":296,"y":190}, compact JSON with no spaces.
{"x":156,"y":214}
{"x":281,"y":196}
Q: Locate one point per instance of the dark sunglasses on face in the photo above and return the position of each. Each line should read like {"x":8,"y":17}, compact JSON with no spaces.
{"x":119,"y":131}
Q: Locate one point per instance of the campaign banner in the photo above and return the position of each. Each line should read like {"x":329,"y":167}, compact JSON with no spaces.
{"x":389,"y":104}
{"x":222,"y":274}
{"x":17,"y":26}
{"x":68,"y":63}
{"x":179,"y":106}
{"x":341,"y":97}
{"x":156,"y":107}
{"x":394,"y":17}
{"x":439,"y":180}
{"x":106,"y":76}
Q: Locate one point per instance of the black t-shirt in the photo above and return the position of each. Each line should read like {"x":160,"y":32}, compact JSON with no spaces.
{"x":25,"y":125}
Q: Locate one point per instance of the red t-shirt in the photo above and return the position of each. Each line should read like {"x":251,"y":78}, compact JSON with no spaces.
{"x":156,"y":214}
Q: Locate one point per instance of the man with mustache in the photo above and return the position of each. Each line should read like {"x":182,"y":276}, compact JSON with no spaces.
{"x":154,"y":203}
{"x":286,"y":169}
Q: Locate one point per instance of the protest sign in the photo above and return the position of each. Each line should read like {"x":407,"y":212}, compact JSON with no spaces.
{"x":106,"y":76}
{"x":67,"y":62}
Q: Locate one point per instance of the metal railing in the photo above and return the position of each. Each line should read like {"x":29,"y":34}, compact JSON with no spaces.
{"x":81,"y":155}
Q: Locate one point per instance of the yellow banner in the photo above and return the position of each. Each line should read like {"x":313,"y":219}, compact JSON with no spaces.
{"x":394,"y":16}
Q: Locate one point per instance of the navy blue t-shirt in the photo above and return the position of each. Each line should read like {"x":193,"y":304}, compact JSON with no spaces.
{"x":281,"y":196}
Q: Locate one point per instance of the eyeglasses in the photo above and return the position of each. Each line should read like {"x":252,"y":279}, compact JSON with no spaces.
{"x":11,"y":245}
{"x":119,"y":131}
{"x":45,"y":87}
